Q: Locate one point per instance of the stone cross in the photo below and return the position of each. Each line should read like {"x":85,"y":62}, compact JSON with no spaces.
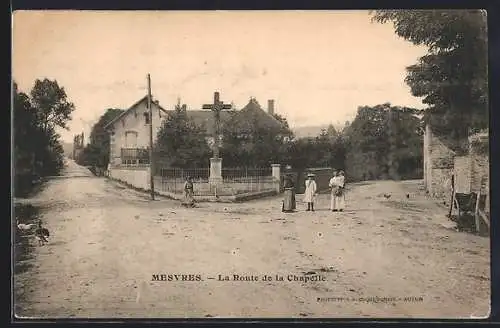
{"x":216,"y":107}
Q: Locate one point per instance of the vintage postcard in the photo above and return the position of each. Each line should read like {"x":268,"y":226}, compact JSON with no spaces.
{"x":250,"y":164}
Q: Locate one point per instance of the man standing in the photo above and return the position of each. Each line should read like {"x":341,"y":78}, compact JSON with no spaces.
{"x":310,"y":192}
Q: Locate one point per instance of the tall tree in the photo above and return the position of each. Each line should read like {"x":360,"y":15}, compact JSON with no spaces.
{"x":249,"y":140}
{"x":181,"y":143}
{"x":331,"y":131}
{"x":37,"y":147}
{"x":25,"y":129}
{"x":384,"y":141}
{"x":330,"y":150}
{"x":96,"y":153}
{"x":452,"y":77}
{"x":303,"y":153}
{"x":52,"y":104}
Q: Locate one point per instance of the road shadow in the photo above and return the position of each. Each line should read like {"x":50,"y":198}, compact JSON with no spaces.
{"x":23,"y":251}
{"x":403,"y":205}
{"x":467,"y":223}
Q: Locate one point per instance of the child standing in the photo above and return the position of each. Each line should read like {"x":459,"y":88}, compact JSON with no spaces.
{"x":310,"y":192}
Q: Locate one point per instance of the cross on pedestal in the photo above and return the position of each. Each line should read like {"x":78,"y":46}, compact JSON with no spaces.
{"x":216,"y":107}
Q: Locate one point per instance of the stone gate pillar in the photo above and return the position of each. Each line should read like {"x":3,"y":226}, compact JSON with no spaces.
{"x":276,"y":175}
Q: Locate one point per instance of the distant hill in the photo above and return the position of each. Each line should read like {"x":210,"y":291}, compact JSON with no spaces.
{"x":311,"y":131}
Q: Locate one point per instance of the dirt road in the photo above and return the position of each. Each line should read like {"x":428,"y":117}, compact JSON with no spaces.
{"x":107,"y":242}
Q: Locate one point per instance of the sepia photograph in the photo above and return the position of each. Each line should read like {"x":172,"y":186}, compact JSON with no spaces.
{"x":250,"y":164}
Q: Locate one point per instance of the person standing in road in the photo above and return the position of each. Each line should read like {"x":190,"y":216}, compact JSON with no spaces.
{"x":338,"y":189}
{"x":310,"y":193}
{"x":188,"y":192}
{"x":289,"y":197}
{"x":333,"y":188}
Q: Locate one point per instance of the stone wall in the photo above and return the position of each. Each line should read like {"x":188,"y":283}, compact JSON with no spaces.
{"x":480,"y":165}
{"x":471,"y":171}
{"x":462,"y":171}
{"x":441,"y":183}
{"x":438,"y":165}
{"x":137,"y":177}
{"x":227,"y":188}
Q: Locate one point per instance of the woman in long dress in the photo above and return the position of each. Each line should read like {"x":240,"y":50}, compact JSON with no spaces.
{"x":310,"y":192}
{"x":289,"y":195}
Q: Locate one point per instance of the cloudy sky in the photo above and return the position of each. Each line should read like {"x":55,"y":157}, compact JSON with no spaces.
{"x":319,"y":66}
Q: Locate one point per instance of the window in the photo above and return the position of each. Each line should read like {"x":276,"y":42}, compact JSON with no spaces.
{"x":130,"y":139}
{"x":146,"y":118}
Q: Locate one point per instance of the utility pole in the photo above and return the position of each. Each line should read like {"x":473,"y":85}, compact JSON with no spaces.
{"x":151,"y":162}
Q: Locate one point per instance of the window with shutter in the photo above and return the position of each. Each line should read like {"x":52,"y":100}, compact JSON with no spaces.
{"x":130,"y":139}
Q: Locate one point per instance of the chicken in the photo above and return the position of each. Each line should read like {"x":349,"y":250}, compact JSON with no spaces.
{"x":23,"y":226}
{"x":42,"y":234}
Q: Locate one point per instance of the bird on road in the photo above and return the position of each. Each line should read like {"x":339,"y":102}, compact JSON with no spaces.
{"x":387,"y":196}
{"x":42,"y":234}
{"x":407,"y":195}
{"x":23,"y":226}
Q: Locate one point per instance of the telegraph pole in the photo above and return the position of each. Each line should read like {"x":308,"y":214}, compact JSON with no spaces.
{"x":151,"y":165}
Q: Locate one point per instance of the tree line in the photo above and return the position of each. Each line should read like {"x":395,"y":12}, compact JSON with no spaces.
{"x":38,"y":151}
{"x":383,"y":141}
{"x":452,"y":77}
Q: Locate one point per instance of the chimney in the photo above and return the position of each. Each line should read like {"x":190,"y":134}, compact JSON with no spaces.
{"x":270,"y":106}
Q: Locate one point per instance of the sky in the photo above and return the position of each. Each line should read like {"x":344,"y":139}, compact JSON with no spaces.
{"x":319,"y":66}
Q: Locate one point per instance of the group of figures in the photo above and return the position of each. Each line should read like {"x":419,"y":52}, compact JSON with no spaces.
{"x":337,"y":190}
{"x":336,"y":185}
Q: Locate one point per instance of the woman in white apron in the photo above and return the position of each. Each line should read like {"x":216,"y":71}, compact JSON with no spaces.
{"x":333,"y":189}
{"x":338,"y":192}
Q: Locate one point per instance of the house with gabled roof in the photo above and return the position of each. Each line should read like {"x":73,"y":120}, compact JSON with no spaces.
{"x":254,"y":114}
{"x":251,"y":111}
{"x":129,"y":132}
